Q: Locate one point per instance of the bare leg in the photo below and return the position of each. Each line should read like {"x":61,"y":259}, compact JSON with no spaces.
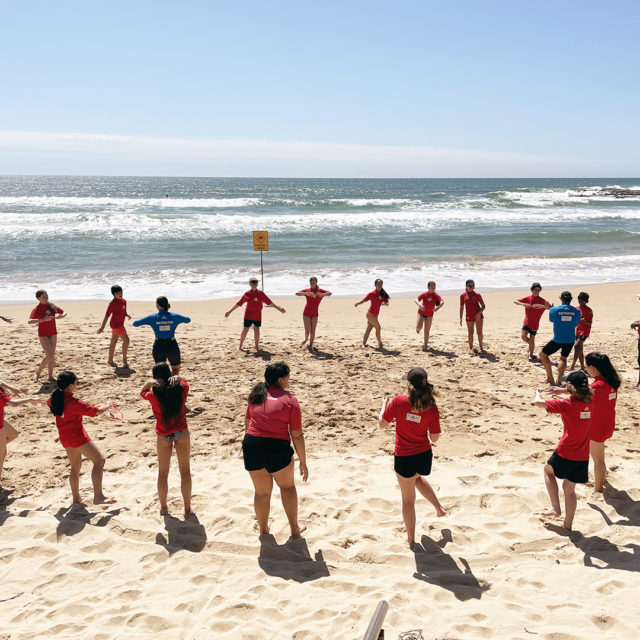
{"x":183,"y":451}
{"x":427,"y":330}
{"x":425,"y":488}
{"x":313,"y":325}
{"x":580,"y":349}
{"x":373,"y":322}
{"x":112,"y":349}
{"x":596,"y":449}
{"x":546,"y":363}
{"x":164,"y":462}
{"x":243,"y":335}
{"x":289,"y":496}
{"x":530,"y":339}
{"x":263,"y":485}
{"x":367,"y":331}
{"x":562,"y":365}
{"x":256,"y":337}
{"x":49,"y":347}
{"x":91,"y":451}
{"x":7,"y":435}
{"x":470,"y":326}
{"x":479,"y":322}
{"x":552,"y":488}
{"x":408,"y":490}
{"x":570,"y":503}
{"x":419,"y":322}
{"x":125,"y":349}
{"x":175,"y":369}
{"x":306,"y":320}
{"x":75,"y":458}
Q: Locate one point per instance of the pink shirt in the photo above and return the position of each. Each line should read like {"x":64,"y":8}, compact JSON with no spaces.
{"x":276,"y":416}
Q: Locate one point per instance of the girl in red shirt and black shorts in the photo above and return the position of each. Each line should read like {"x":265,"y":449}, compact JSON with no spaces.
{"x":417,"y":426}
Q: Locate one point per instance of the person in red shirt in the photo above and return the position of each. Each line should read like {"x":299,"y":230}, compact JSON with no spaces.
{"x":417,"y":426}
{"x":473,"y":305}
{"x":428,"y":303}
{"x":314,"y":297}
{"x":570,"y":460}
{"x":117,"y":309}
{"x":45,"y":316}
{"x":272,"y":422}
{"x":168,"y":397}
{"x":636,"y":325}
{"x":378,"y":297}
{"x":535,"y":306}
{"x":583,"y":330}
{"x":7,"y":432}
{"x":253,"y":313}
{"x":69,"y":411}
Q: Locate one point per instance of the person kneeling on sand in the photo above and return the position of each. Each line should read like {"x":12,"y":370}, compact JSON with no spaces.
{"x":570,"y":460}
{"x":417,"y":426}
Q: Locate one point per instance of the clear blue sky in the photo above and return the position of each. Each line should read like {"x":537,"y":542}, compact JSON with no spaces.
{"x":386,"y":84}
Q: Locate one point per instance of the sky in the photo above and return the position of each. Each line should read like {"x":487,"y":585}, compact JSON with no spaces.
{"x":320,"y":89}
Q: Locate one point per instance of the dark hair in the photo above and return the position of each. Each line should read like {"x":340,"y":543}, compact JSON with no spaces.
{"x":566,"y":296}
{"x":313,"y":278}
{"x":421,"y":393}
{"x":116,"y":289}
{"x":602,"y":363}
{"x":383,"y":293}
{"x":578,"y":385}
{"x":162,"y":302}
{"x":169,"y":395}
{"x":64,"y":379}
{"x":536,"y":285}
{"x":52,"y":307}
{"x":583,"y":295}
{"x":272,"y":374}
{"x":431,"y":282}
{"x":468,"y":282}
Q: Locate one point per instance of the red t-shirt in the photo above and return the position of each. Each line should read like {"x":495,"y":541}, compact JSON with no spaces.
{"x":603,"y":410}
{"x":311,"y":308}
{"x":471,"y":301}
{"x":276,"y":416}
{"x":254,"y":300}
{"x":45,"y":328}
{"x":178,"y":422}
{"x":118,"y":310}
{"x":576,"y":418}
{"x":70,"y":428}
{"x":429,"y":301}
{"x":584,"y":329}
{"x":376,"y":300}
{"x":532,"y":316}
{"x":412,"y":427}
{"x":4,"y":399}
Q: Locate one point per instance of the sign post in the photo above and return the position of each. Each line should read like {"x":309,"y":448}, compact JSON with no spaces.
{"x":261,"y":243}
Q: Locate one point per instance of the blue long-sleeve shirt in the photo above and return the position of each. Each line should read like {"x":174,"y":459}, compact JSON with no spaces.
{"x":163,"y":323}
{"x":565,"y":318}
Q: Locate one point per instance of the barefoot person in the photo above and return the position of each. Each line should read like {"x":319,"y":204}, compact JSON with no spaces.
{"x":583,"y":330}
{"x":7,"y":432}
{"x":164,"y":325}
{"x":254,"y":298}
{"x":636,"y":325}
{"x":565,"y":318}
{"x":68,"y":411}
{"x":378,"y":297}
{"x":45,"y":316}
{"x":534,"y":307}
{"x":417,"y":426}
{"x":473,"y":305}
{"x":428,"y":303}
{"x":168,"y":396}
{"x":117,"y":309}
{"x":272,"y":422}
{"x":314,"y":297}
{"x":570,"y":460}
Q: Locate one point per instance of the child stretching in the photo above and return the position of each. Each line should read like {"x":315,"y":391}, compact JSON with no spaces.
{"x":76,"y":441}
{"x":570,"y":460}
{"x":428,"y":303}
{"x":117,"y":309}
{"x":583,"y":330}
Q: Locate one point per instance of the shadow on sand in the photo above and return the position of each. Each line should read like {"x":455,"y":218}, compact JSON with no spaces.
{"x":187,"y":534}
{"x":291,"y":560}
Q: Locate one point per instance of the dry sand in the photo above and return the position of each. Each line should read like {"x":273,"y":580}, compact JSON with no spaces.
{"x":489,"y":569}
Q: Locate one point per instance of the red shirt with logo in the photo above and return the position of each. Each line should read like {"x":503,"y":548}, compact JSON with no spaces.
{"x":576,"y":418}
{"x":178,"y":422}
{"x":429,"y":301}
{"x":276,"y":416}
{"x":45,"y":328}
{"x":471,"y":301}
{"x":584,"y":329}
{"x":412,"y":427}
{"x":532,"y":316}
{"x":311,"y":307}
{"x":254,"y":300}
{"x":70,"y":428}
{"x":117,"y":309}
{"x":603,"y":410}
{"x":377,"y":300}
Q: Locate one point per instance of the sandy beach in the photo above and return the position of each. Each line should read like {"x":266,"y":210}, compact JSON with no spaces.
{"x":491,"y":568}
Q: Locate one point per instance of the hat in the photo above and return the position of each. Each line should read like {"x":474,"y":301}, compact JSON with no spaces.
{"x":417,"y":377}
{"x":578,"y":379}
{"x":566,"y":295}
{"x":536,"y":284}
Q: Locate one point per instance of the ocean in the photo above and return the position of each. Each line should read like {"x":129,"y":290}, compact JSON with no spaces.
{"x":191,"y":238}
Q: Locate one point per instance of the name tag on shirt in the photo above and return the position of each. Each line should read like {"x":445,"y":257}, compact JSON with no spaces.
{"x":585,"y":415}
{"x":613,"y":396}
{"x":412,"y":417}
{"x":164,"y":327}
{"x":566,"y":318}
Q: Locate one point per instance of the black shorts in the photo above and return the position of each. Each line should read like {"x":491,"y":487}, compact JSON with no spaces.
{"x":573,"y":470}
{"x":248,"y":323}
{"x":272,"y":454}
{"x":551,"y":347}
{"x":583,"y":338}
{"x":408,"y":466}
{"x":166,"y":349}
{"x":531,"y":331}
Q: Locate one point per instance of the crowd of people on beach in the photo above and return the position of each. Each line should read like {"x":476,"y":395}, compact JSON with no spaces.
{"x":273,"y":425}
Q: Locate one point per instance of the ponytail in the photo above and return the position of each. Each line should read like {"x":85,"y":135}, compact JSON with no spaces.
{"x":272,"y":374}
{"x":420,"y":394}
{"x":64,"y":380}
{"x":383,"y":293}
{"x":169,"y":395}
{"x":50,"y":306}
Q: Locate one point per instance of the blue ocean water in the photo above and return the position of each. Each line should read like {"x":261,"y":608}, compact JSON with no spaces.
{"x":190,"y":238}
